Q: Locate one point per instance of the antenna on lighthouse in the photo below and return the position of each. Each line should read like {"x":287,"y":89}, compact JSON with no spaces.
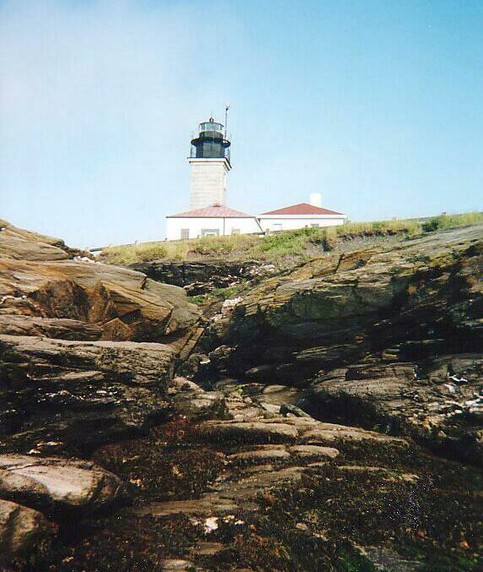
{"x":227,"y":107}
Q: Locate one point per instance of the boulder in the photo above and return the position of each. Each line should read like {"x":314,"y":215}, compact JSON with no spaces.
{"x":45,"y":482}
{"x":190,"y":400}
{"x":124,"y":304}
{"x":23,"y":531}
{"x":20,"y":244}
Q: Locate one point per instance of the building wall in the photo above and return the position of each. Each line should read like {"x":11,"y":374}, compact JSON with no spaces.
{"x":274,"y":223}
{"x":199,"y":226}
{"x":208,"y":182}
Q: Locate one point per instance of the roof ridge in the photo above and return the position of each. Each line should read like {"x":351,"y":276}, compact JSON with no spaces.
{"x":301,"y":209}
{"x":215,"y":210}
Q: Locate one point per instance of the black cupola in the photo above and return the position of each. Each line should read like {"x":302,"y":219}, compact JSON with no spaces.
{"x":211,"y":142}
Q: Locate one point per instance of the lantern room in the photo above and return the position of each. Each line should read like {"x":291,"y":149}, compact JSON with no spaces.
{"x":211,"y":142}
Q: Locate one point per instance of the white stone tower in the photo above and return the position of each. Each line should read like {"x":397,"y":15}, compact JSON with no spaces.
{"x":210,"y":162}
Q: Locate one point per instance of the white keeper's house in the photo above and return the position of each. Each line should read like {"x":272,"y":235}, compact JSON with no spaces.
{"x":209,"y":216}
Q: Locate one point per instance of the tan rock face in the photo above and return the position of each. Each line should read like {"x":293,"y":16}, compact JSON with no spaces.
{"x":142,"y":363}
{"x":86,"y":350}
{"x":39,"y":482}
{"x":22,"y":530}
{"x":21,"y":244}
{"x":41,"y":278}
{"x":123,"y":303}
{"x":63,"y":328}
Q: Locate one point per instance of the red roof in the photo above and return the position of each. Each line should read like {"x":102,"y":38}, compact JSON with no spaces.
{"x":216,"y":211}
{"x":302,"y":209}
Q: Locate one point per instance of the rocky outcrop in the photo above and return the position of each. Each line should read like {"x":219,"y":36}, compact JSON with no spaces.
{"x":392,"y":335}
{"x":273,"y":450}
{"x":75,"y":395}
{"x":62,"y":328}
{"x":125,"y":304}
{"x":76,"y":366}
{"x":438,"y":402}
{"x":241,"y":475}
{"x":201,"y":277}
{"x":87,"y":352}
{"x":42,"y":280}
{"x":20,"y":244}
{"x":419,"y":296}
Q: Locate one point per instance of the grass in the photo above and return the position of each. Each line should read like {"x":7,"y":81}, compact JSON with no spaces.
{"x":219,"y":294}
{"x":145,"y":251}
{"x":445,"y":221}
{"x":275,"y":247}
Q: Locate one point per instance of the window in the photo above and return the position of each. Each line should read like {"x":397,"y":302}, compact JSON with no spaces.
{"x":277,"y":226}
{"x":185,"y":233}
{"x":210,"y":232}
{"x":235,"y":231}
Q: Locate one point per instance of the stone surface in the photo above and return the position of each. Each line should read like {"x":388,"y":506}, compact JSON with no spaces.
{"x":23,"y":531}
{"x":202,"y":276}
{"x":21,"y":244}
{"x":70,"y":368}
{"x":42,"y":482}
{"x":41,"y":278}
{"x":76,"y":372}
{"x":263,"y":454}
{"x":387,"y":560}
{"x":313,"y":452}
{"x":173,"y":564}
{"x":328,"y":433}
{"x":62,"y":328}
{"x":190,"y":400}
{"x":336,"y":309}
{"x":250,"y":432}
{"x":438,"y":401}
{"x":125,"y":304}
{"x":80,"y":393}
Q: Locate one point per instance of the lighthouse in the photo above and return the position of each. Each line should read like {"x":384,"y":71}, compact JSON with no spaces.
{"x":210,"y":162}
{"x":209,"y":214}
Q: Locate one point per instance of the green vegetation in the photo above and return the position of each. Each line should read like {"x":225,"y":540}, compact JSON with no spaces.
{"x":217,"y":294}
{"x":445,"y":221}
{"x":276,"y":247}
{"x":145,"y":251}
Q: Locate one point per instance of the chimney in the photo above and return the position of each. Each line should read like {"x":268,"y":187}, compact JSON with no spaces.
{"x":316,"y":199}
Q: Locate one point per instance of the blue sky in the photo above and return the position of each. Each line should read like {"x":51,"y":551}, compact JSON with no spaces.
{"x":376,"y":104}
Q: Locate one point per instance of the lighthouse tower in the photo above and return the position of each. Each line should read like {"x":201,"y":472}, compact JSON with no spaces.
{"x":210,"y":162}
